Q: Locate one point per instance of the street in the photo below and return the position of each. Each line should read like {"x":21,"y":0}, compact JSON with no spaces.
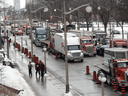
{"x":80,"y":83}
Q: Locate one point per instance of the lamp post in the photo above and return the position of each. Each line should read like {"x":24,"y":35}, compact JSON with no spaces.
{"x":45,"y":58}
{"x":98,"y":17}
{"x":102,"y":79}
{"x":7,"y":46}
{"x":88,"y":9}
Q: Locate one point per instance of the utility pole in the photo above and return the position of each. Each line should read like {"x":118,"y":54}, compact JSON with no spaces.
{"x":7,"y":46}
{"x":66,"y":59}
{"x":4,"y":20}
{"x":0,"y":35}
{"x":78,"y":24}
{"x":92,"y":17}
{"x":14,"y":23}
{"x":31,"y":29}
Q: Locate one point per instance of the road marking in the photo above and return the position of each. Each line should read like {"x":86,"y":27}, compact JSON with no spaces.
{"x":71,"y":65}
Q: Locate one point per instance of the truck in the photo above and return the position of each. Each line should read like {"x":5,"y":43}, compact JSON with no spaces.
{"x":74,"y":52}
{"x":107,"y":43}
{"x":122,"y":43}
{"x":40,"y":34}
{"x":115,"y":66}
{"x":87,"y":46}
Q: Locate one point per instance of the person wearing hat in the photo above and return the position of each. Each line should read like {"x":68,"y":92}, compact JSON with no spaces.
{"x":30,"y":68}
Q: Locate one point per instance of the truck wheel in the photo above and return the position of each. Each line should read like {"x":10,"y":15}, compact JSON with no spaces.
{"x":94,"y":54}
{"x":109,"y":80}
{"x":82,"y":60}
{"x":97,"y":52}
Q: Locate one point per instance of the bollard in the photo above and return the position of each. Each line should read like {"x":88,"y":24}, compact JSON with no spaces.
{"x":56,"y":56}
{"x":94,"y":76}
{"x":123,"y":90}
{"x":26,"y":52}
{"x":87,"y":70}
{"x":18,"y":47}
{"x":98,"y":81}
{"x":114,"y":86}
{"x":29,"y":54}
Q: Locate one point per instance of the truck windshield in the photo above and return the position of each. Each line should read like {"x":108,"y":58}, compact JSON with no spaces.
{"x":40,"y":36}
{"x":122,"y":64}
{"x":74,"y":47}
{"x":86,"y":41}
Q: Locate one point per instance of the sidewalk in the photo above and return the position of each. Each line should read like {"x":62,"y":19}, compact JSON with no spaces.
{"x":49,"y":85}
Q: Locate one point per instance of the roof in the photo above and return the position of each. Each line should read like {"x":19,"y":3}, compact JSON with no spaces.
{"x":117,"y":49}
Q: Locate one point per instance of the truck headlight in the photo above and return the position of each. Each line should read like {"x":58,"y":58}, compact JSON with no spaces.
{"x":69,"y":55}
{"x":81,"y":54}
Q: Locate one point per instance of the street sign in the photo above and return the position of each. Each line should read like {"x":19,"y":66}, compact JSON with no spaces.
{"x":17,"y":4}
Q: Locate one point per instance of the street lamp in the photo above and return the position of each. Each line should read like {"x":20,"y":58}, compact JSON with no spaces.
{"x":66,"y":59}
{"x":45,"y":49}
{"x":98,"y":16}
{"x":102,"y":78}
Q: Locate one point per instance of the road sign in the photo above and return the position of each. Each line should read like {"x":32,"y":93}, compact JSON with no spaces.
{"x":17,"y":4}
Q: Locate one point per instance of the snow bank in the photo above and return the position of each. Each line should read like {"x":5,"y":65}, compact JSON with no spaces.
{"x":12,"y":78}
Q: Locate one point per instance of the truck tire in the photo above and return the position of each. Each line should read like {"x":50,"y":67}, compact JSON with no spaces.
{"x":82,"y":60}
{"x":97,"y":52}
{"x":109,"y":80}
{"x":94,"y":55}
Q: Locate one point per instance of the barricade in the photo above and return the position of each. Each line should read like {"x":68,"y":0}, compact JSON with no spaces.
{"x":56,"y":56}
{"x":29,"y":54}
{"x":18,"y":47}
{"x":98,"y":81}
{"x":114,"y":86}
{"x":87,"y":70}
{"x":123,"y":90}
{"x":26,"y":52}
{"x":94,"y":76}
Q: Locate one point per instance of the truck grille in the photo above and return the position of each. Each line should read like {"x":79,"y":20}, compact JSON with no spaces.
{"x":89,"y":49}
{"x":75,"y":54}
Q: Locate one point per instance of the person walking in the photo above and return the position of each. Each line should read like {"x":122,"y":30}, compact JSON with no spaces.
{"x":30,"y":68}
{"x":42,"y":69}
{"x":37,"y":67}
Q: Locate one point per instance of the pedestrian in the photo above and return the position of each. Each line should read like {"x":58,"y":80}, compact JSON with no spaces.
{"x":37,"y":67}
{"x":42,"y":69}
{"x":30,"y":68}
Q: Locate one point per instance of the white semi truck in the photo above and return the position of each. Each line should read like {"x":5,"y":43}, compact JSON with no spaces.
{"x":74,"y":52}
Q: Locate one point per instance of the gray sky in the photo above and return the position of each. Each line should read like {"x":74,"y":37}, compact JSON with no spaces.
{"x":10,"y":2}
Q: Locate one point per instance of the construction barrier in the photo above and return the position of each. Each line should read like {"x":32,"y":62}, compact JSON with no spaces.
{"x":56,"y":56}
{"x":98,"y":81}
{"x":87,"y":70}
{"x":26,"y":52}
{"x":29,"y":54}
{"x":18,"y":47}
{"x":123,"y":90}
{"x":94,"y":75}
{"x":114,"y":86}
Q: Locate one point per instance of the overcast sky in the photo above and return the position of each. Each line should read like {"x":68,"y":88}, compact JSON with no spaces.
{"x":10,"y":2}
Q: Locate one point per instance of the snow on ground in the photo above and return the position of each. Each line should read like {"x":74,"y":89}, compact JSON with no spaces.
{"x":12,"y":78}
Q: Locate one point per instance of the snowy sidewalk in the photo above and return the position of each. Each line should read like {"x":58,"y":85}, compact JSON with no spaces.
{"x":47,"y":86}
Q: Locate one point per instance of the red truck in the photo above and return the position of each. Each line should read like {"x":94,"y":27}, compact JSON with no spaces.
{"x":122,"y":43}
{"x":87,"y":46}
{"x":115,"y":66}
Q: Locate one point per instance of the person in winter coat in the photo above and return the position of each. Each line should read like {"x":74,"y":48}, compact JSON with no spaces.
{"x":42,"y":69}
{"x":37,"y":67}
{"x":30,"y":68}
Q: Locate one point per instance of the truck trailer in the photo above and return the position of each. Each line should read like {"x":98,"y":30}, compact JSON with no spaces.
{"x":74,"y":52}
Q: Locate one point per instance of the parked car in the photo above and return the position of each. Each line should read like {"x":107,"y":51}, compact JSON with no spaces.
{"x":116,"y":32}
